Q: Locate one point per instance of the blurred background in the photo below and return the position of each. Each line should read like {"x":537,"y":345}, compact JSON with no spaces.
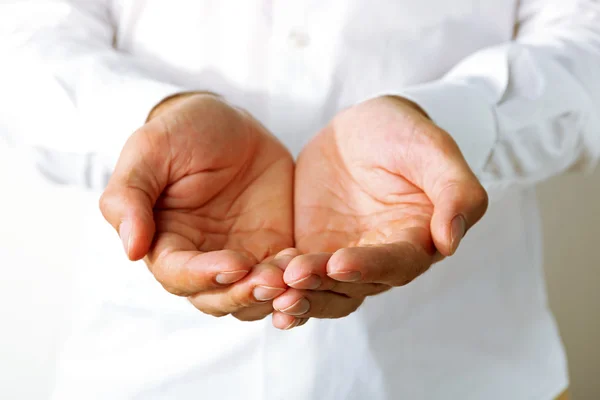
{"x":37,"y":261}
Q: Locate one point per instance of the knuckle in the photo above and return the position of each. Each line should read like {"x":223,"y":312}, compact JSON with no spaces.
{"x":106,"y":203}
{"x":481,"y":198}
{"x":103,"y":203}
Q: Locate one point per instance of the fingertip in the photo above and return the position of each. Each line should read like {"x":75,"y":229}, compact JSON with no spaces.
{"x":267,"y":275}
{"x":230,"y":277}
{"x":231,"y":266}
{"x":440,"y":233}
{"x":125,"y":232}
{"x":283,"y":321}
{"x":294,"y":270}
{"x":457,"y":208}
{"x":131,"y":214}
{"x":310,"y":282}
{"x":458,"y":230}
{"x":389,"y":264}
{"x":306,"y":265}
{"x":282,"y":259}
{"x":290,"y":251}
{"x":287,"y":299}
{"x":136,"y":238}
{"x":344,"y":261}
{"x":237,"y":260}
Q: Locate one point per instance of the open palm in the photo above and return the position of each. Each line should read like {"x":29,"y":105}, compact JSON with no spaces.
{"x":230,"y":187}
{"x":205,"y":193}
{"x":378,"y":193}
{"x":356,"y":184}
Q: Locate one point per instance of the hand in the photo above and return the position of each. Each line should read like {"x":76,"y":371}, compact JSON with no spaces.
{"x":380,"y":195}
{"x":204,"y":193}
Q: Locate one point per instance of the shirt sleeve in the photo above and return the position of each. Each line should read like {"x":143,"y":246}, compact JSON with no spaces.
{"x":529,"y":109}
{"x":71,"y":96}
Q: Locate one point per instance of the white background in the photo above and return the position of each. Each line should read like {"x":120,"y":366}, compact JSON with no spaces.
{"x":36,"y":264}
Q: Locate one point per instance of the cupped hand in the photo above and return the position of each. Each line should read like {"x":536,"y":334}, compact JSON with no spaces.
{"x":203,"y":193}
{"x":381,"y":194}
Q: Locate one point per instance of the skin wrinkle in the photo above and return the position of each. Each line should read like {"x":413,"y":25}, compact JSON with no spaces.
{"x":357,"y":218}
{"x":345,"y":168}
{"x":143,"y":192}
{"x":192,"y":175}
{"x":253,"y":180}
{"x":370,"y":215}
{"x":230,"y":221}
{"x":197,"y":238}
{"x":365,"y":225}
{"x":228,"y":230}
{"x":163,"y":131}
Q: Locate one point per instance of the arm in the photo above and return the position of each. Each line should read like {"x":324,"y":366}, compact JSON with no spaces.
{"x":70,"y":95}
{"x":529,"y":109}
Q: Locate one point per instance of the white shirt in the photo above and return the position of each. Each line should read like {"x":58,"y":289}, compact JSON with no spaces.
{"x":517,"y":84}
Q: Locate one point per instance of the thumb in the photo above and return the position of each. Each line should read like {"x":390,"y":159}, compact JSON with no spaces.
{"x":456,"y":209}
{"x":139,"y":177}
{"x":458,"y":197}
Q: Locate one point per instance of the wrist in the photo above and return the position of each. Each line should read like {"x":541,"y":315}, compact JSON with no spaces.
{"x":174,"y":100}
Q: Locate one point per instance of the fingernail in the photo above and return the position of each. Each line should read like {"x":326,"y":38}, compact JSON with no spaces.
{"x":300,"y":307}
{"x":310,"y":282}
{"x":125,"y":234}
{"x":351,"y":276}
{"x":225,"y":278}
{"x":265,"y":293}
{"x":458,"y":231}
{"x":294,"y":324}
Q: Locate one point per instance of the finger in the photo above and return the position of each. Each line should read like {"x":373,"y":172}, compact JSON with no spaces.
{"x":255,"y":313}
{"x":184,"y":271}
{"x":458,"y":197}
{"x":309,"y":272}
{"x":394,"y":264}
{"x":283,"y":258}
{"x":307,"y":303}
{"x":263,"y":284}
{"x":456,"y":209}
{"x":286,"y":322}
{"x":138,"y":179}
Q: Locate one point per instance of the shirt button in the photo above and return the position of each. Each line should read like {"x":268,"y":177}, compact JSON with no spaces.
{"x":298,"y":39}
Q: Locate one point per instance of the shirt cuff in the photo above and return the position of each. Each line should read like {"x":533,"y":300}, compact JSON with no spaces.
{"x":462,"y":111}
